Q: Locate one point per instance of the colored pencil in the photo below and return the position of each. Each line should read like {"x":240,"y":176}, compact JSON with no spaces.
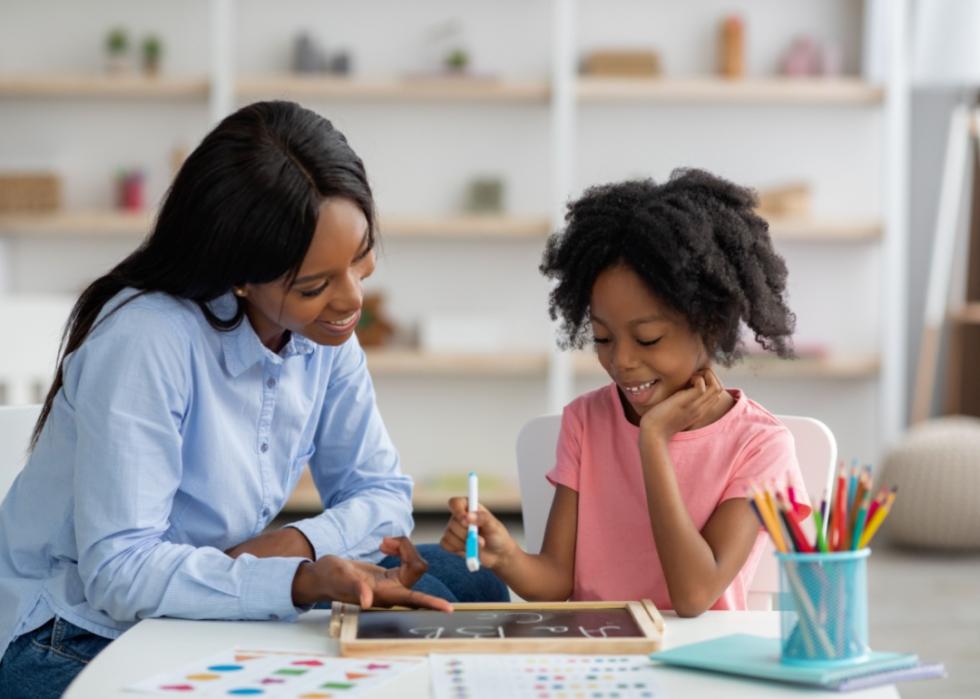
{"x":860,"y":519}
{"x":771,"y":505}
{"x":791,"y":494}
{"x":875,"y":522}
{"x":793,"y":525}
{"x":882,"y":494}
{"x":864,"y":483}
{"x":839,"y":509}
{"x":818,"y":521}
{"x":765,"y":516}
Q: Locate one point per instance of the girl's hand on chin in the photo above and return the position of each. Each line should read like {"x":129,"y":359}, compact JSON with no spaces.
{"x":685,"y":408}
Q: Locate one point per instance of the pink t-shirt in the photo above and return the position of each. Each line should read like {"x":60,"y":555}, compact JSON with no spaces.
{"x":599,"y":457}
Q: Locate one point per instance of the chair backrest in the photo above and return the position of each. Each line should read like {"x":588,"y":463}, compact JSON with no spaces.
{"x":536,"y":443}
{"x":816,"y":451}
{"x":28,"y":355}
{"x":16,"y":423}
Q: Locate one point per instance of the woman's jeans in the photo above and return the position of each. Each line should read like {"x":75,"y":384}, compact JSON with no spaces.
{"x":42,"y":663}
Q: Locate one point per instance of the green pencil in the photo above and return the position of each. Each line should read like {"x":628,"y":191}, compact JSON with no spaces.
{"x":818,"y":522}
{"x":859,"y":521}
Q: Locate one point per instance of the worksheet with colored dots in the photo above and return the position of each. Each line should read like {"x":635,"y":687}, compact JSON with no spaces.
{"x":543,"y":677}
{"x":275,"y":674}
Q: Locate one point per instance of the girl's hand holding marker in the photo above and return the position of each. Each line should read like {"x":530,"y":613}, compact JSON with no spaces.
{"x":474,"y":533}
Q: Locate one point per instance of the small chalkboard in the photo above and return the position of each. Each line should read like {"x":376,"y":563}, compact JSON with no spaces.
{"x":565,"y":627}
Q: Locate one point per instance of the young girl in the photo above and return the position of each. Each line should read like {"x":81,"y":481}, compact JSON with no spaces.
{"x":653,"y":471}
{"x":199,"y":376}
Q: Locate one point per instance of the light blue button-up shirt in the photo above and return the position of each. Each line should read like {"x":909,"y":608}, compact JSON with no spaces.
{"x":171,"y":442}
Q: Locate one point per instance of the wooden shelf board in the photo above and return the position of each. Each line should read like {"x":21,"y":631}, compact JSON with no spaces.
{"x":719,"y":90}
{"x":123,"y":86}
{"x":499,"y":500}
{"x":121,"y":223}
{"x":465,"y":226}
{"x":408,"y":362}
{"x":834,"y":367}
{"x":407,"y":89}
{"x":823,"y":230}
{"x":503,"y":498}
{"x":59,"y":223}
{"x":969,"y":314}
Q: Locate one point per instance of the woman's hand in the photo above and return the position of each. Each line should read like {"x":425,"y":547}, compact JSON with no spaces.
{"x":496,"y":543}
{"x":366,"y":584}
{"x":685,"y":408}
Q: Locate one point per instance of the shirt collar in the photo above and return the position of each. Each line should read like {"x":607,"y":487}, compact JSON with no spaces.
{"x":241,"y":347}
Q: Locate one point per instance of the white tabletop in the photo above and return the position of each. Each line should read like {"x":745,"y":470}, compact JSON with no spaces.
{"x":162,"y":645}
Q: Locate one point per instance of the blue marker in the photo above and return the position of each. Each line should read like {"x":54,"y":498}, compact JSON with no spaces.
{"x":472,"y":542}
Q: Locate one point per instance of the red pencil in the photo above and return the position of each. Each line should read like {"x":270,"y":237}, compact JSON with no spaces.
{"x":793,"y":524}
{"x":878,"y":502}
{"x":840,"y":508}
{"x":792,"y":499}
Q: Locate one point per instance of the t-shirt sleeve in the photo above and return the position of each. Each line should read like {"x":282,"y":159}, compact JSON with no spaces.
{"x":772,"y":459}
{"x":568,"y":454}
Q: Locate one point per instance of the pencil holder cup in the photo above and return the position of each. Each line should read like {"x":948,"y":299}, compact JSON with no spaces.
{"x":824,"y":608}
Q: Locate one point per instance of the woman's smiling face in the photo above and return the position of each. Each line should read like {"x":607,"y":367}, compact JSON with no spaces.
{"x":323,"y":302}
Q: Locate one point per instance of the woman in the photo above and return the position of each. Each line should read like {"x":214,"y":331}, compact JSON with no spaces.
{"x":198,"y":377}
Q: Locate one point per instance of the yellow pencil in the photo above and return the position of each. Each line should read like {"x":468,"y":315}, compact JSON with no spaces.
{"x":769,"y":517}
{"x":875,"y":522}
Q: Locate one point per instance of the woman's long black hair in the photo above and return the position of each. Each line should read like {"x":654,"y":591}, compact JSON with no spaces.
{"x":241,"y":210}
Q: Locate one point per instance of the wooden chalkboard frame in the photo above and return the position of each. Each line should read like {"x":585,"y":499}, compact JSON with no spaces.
{"x":344,"y":620}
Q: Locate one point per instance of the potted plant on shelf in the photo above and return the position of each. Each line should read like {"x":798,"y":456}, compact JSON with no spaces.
{"x":117,"y":50}
{"x":152,"y":53}
{"x":457,"y":61}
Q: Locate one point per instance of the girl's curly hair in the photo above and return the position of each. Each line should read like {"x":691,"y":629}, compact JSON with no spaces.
{"x":697,"y":243}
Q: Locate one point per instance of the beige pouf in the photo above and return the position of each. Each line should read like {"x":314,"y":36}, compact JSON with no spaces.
{"x":936,"y":467}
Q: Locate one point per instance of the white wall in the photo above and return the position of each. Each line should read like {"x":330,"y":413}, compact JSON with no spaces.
{"x":420,"y":156}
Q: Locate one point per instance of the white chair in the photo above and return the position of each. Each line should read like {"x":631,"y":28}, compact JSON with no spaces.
{"x":816,"y":451}
{"x":29,"y":351}
{"x":16,"y":424}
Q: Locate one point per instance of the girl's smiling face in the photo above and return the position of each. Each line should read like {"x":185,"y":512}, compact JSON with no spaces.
{"x":646,"y":348}
{"x":323,"y":302}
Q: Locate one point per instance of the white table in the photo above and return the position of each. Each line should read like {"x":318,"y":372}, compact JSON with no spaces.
{"x":161,"y":645}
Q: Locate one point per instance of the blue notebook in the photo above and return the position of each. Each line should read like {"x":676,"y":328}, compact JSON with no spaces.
{"x":755,"y":656}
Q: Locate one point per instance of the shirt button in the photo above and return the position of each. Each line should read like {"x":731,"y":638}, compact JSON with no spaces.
{"x":264,"y":448}
{"x":270,"y":383}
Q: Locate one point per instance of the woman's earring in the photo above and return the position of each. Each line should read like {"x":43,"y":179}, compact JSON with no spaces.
{"x":239,"y":291}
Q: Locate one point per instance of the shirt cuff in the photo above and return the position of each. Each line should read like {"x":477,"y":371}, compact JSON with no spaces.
{"x":324,"y":533}
{"x":268,"y":589}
